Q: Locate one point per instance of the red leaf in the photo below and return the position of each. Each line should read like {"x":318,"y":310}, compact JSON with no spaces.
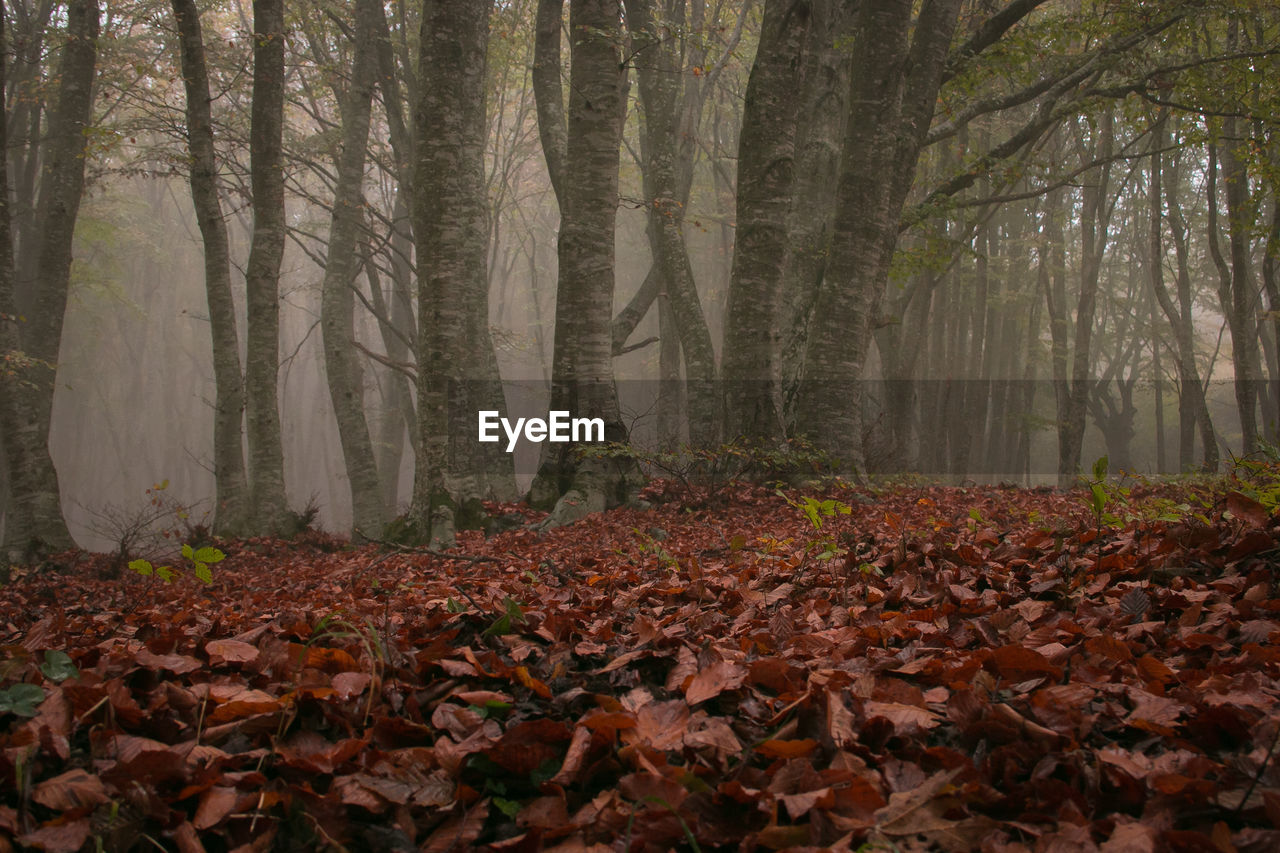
{"x":230,"y":651}
{"x":1018,"y":663}
{"x":1247,"y":509}
{"x":58,"y":837}
{"x":215,"y":804}
{"x":715,"y":679}
{"x":74,"y":789}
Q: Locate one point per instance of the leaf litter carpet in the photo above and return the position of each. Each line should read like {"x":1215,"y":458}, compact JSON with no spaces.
{"x":940,"y":669}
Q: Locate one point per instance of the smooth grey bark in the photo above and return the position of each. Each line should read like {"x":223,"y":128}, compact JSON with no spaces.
{"x":1071,"y":374}
{"x":231,"y":500}
{"x":269,"y":510}
{"x":548,"y":91}
{"x":1193,"y":412}
{"x":457,"y":366}
{"x":398,"y":329}
{"x":820,"y":136}
{"x":667,"y":176}
{"x":582,"y":356}
{"x":35,"y":500}
{"x":1236,"y":289}
{"x":899,"y":59}
{"x":337,"y":302}
{"x":750,"y":359}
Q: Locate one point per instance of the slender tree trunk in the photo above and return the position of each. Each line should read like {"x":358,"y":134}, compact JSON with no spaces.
{"x":751,"y":355}
{"x":1193,"y":410}
{"x":1236,"y":287}
{"x":666,"y":181}
{"x":1094,"y":221}
{"x":230,"y":481}
{"x":34,"y":492}
{"x":269,"y":511}
{"x":337,"y":304}
{"x":457,"y":367}
{"x":1271,"y":285}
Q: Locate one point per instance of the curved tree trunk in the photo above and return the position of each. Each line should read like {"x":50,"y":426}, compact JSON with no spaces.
{"x":262,"y":276}
{"x":766,"y":162}
{"x":230,"y":482}
{"x":666,"y":184}
{"x":337,"y":303}
{"x":33,"y":481}
{"x":899,"y":59}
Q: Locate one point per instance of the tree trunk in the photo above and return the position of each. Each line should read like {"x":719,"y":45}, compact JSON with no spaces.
{"x":337,"y":308}
{"x":1192,"y":409}
{"x":35,"y":498}
{"x":751,"y":355}
{"x":457,"y":366}
{"x":1236,"y":288}
{"x":1192,"y":406}
{"x":667,"y":178}
{"x":819,"y":138}
{"x":582,"y":357}
{"x":230,"y":482}
{"x":897,"y":73}
{"x":269,"y":513}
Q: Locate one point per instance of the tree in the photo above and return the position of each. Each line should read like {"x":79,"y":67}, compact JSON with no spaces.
{"x":899,"y":59}
{"x":672,"y":106}
{"x":766,"y":169}
{"x":230,"y":480}
{"x":337,"y":302}
{"x":262,"y":275}
{"x":457,"y":367}
{"x":582,"y":357}
{"x":35,"y":499}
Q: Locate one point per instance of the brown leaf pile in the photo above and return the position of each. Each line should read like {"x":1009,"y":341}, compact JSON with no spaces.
{"x":648,"y":680}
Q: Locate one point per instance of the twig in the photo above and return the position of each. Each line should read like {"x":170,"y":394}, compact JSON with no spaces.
{"x":1275,"y":738}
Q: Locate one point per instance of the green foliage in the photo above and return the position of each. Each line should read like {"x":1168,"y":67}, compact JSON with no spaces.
{"x":1258,"y":476}
{"x":199,"y":558}
{"x":514,"y":615}
{"x":58,"y":667}
{"x":21,"y":699}
{"x":825,"y":547}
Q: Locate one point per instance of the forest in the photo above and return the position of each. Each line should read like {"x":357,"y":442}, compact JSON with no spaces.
{"x":640,"y":424}
{"x":979,"y":242}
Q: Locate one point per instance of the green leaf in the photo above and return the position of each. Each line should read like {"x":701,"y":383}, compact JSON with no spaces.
{"x":1099,"y":502}
{"x":975,"y":515}
{"x":514,"y":611}
{"x":142,"y":567}
{"x":203,"y":573}
{"x":1100,"y":468}
{"x":209,"y":555}
{"x":187,"y":553}
{"x":166,"y":573}
{"x":499,"y":627}
{"x":453,"y":606}
{"x":507,"y":807}
{"x":21,"y":699}
{"x":58,"y":667}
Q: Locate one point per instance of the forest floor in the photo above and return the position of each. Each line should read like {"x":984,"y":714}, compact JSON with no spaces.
{"x":910,"y":668}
